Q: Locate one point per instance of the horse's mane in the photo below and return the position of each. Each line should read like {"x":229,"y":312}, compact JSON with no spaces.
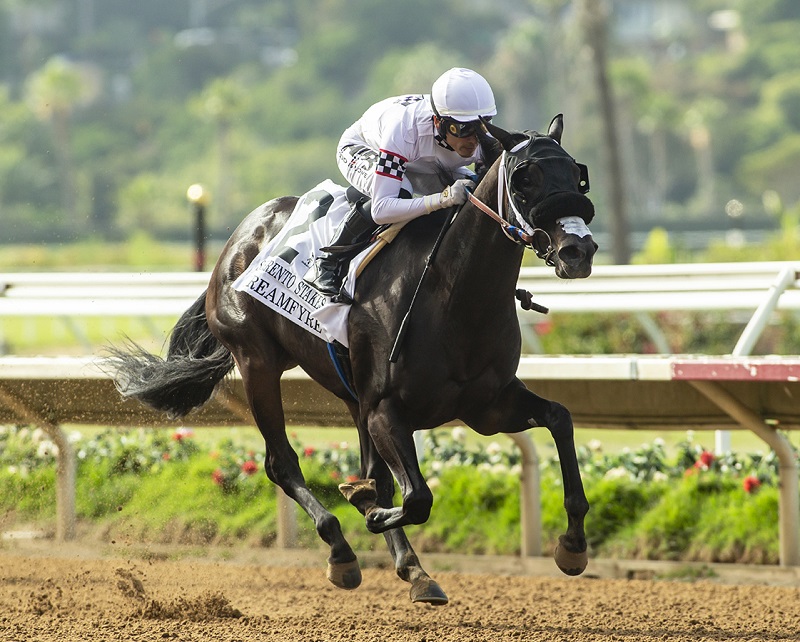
{"x":491,"y":151}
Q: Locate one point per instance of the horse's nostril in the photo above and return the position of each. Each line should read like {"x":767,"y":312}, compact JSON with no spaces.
{"x":571,"y":254}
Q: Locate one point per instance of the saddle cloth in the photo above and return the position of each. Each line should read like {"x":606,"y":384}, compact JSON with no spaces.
{"x":275,"y":276}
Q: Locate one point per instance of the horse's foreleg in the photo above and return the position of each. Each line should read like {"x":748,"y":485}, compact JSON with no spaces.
{"x":376,"y":490}
{"x":518,"y":409}
{"x":394,"y":445}
{"x":570,"y":554}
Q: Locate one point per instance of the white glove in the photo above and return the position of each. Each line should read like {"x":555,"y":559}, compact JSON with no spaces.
{"x":455,"y":194}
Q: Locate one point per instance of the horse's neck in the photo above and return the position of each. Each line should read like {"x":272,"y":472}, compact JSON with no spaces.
{"x":488,"y":262}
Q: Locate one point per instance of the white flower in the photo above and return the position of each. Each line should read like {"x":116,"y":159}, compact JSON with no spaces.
{"x":659,"y":442}
{"x":434,"y":483}
{"x":459,"y":434}
{"x":344,"y":445}
{"x":516,"y":470}
{"x":658,"y":476}
{"x":690,"y":435}
{"x":595,"y":445}
{"x":616,"y":473}
{"x":46,"y":449}
{"x":498,"y":469}
{"x":12,"y":470}
{"x":37,"y":435}
{"x":494,"y":448}
{"x":436,"y":466}
{"x":485,"y":468}
{"x":74,"y":437}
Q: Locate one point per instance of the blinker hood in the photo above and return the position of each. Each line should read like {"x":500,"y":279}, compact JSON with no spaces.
{"x":557,"y":196}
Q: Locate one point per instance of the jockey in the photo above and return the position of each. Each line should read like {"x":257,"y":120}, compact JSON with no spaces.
{"x":393,"y":150}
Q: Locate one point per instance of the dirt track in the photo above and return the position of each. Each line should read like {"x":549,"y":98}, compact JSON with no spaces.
{"x":51,"y":595}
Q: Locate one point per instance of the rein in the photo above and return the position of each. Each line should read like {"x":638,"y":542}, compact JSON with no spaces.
{"x":513,"y":232}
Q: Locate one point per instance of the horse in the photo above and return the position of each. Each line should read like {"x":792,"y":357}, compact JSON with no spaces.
{"x":457,"y":360}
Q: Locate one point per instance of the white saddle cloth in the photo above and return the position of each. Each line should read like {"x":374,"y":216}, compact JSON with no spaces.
{"x":275,"y":276}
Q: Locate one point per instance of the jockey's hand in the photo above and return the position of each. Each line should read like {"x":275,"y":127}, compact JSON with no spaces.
{"x":455,"y":194}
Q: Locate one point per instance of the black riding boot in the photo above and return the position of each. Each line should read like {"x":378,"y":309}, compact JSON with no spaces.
{"x":331,"y":266}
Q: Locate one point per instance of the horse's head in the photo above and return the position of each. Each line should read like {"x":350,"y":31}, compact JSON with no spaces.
{"x":545,"y":192}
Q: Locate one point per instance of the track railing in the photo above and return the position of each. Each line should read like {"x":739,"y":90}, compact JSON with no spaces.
{"x":662,"y":393}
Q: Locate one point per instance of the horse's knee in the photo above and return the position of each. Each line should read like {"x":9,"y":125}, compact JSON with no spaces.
{"x":417,"y":506}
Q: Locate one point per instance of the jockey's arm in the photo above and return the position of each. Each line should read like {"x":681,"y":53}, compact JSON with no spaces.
{"x":388,"y":207}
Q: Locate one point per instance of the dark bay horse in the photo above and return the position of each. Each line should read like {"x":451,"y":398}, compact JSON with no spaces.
{"x":458,"y":360}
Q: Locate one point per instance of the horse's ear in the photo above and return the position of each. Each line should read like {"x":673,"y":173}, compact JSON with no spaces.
{"x":509,"y":140}
{"x":556,"y":128}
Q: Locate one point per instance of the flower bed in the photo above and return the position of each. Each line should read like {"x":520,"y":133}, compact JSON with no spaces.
{"x":163,"y":486}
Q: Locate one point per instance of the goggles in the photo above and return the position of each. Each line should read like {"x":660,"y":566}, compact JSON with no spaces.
{"x":462,"y":130}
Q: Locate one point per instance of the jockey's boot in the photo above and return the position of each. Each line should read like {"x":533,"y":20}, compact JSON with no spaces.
{"x":331,"y":266}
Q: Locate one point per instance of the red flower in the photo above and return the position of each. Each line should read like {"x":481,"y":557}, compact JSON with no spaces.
{"x":218,"y":477}
{"x":705,"y":460}
{"x":309,"y":451}
{"x":750,"y":484}
{"x":249,"y":467}
{"x":544,"y":327}
{"x":165,"y":456}
{"x":182,"y":433}
{"x":335,"y":475}
{"x":351,"y":478}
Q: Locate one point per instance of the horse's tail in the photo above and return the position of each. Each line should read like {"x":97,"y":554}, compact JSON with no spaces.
{"x":196,"y":362}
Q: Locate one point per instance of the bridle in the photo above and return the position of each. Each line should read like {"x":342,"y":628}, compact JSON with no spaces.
{"x":515,"y":233}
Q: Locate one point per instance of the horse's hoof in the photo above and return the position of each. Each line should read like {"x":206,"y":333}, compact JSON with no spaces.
{"x":346,"y":575}
{"x":428,"y":592}
{"x":570,"y":563}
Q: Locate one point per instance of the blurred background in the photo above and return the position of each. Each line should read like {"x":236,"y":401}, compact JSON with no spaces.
{"x":686,"y":111}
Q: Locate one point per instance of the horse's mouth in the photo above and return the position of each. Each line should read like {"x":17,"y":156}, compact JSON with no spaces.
{"x":566,"y":272}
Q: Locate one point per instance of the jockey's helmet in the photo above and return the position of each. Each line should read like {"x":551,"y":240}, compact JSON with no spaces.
{"x":460,"y":98}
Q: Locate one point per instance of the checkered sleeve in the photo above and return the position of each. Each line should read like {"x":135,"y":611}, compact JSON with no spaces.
{"x":391,"y":165}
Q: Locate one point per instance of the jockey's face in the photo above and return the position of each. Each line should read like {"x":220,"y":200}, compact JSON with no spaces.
{"x":464,"y":146}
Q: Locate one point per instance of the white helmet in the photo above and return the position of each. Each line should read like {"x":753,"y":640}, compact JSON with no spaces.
{"x":462,"y":95}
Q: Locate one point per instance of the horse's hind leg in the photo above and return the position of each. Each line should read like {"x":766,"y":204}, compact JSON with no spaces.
{"x":262,"y":385}
{"x":518,"y":409}
{"x":375,"y":490}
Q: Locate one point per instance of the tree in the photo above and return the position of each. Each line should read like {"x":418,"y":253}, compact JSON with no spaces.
{"x":222,"y":102}
{"x":594,"y":20}
{"x":53,"y":93}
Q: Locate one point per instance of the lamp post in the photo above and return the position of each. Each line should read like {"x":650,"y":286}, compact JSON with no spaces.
{"x":198,"y":197}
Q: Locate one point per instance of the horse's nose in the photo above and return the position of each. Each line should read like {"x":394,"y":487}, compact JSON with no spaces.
{"x":577,"y":254}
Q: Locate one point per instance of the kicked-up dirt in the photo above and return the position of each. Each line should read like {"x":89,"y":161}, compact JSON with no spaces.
{"x":50,"y":594}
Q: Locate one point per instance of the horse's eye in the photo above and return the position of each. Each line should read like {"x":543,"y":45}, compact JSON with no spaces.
{"x":522,"y":180}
